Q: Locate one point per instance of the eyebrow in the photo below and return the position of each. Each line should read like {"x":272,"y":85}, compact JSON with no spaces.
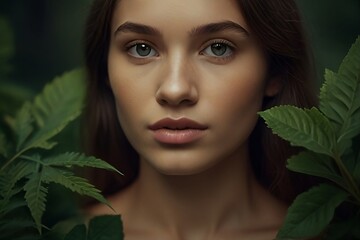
{"x":137,"y":28}
{"x":218,"y":27}
{"x":197,"y":31}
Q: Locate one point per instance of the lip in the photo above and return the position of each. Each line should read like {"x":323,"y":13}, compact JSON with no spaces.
{"x":177,"y":131}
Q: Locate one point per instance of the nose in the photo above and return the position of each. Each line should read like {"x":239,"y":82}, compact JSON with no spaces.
{"x":177,"y":87}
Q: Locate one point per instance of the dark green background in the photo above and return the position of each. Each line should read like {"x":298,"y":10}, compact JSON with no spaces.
{"x":48,"y":35}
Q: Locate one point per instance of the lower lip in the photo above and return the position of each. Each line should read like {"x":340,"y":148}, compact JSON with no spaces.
{"x":169,"y":136}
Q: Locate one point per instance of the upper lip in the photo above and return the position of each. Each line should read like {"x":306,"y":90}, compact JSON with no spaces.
{"x":177,"y":124}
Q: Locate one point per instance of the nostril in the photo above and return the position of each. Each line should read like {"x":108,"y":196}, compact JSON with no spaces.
{"x":162,"y":101}
{"x":175,"y":93}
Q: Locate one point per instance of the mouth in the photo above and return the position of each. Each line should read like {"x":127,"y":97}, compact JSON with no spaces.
{"x":177,"y":131}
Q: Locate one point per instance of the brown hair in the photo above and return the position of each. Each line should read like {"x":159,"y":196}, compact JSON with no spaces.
{"x":277,"y":26}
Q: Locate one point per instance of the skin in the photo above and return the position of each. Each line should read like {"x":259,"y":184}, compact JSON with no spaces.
{"x":205,"y":189}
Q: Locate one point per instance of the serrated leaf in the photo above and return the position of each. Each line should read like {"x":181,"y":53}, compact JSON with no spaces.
{"x":74,"y":183}
{"x":23,"y":124}
{"x":344,"y":101}
{"x":60,"y":102}
{"x":77,"y":233}
{"x":106,"y":227}
{"x":79,"y":160}
{"x":315,"y":164}
{"x":9,"y":178}
{"x":340,"y":95}
{"x":301,"y":127}
{"x":350,"y":66}
{"x":11,"y":206}
{"x":311,"y":212}
{"x":35,"y":195}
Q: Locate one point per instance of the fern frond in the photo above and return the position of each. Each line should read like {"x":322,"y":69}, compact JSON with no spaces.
{"x":9,"y":178}
{"x":35,"y":195}
{"x":74,"y":183}
{"x":60,"y":102}
{"x":23,"y":124}
{"x":79,"y":160}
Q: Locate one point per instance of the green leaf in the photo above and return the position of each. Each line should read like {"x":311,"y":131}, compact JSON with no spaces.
{"x":346,"y":104}
{"x":78,"y":159}
{"x":315,"y":164}
{"x":9,"y":178}
{"x":77,"y":233}
{"x":23,"y":124}
{"x":350,"y":66}
{"x":307,"y":128}
{"x":312,"y":211}
{"x":60,"y":102}
{"x":74,"y":183}
{"x":47,"y":145}
{"x":340,"y":95}
{"x":35,"y":195}
{"x":107,"y":227}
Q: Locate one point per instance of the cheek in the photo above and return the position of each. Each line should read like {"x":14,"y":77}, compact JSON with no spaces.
{"x":127,"y":89}
{"x":240,"y":105}
{"x":241,"y":89}
{"x":237,"y":98}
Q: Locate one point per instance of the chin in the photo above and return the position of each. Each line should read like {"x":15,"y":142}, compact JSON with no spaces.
{"x":181,"y":167}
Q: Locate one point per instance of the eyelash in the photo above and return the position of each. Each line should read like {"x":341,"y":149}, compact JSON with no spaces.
{"x":228,"y":44}
{"x":130,"y":45}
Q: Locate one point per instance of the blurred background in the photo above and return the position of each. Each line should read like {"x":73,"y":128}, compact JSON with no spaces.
{"x":47,"y":35}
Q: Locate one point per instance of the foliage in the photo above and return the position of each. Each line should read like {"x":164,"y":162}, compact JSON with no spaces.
{"x":103,"y":227}
{"x":27,"y":166}
{"x":330,"y":136}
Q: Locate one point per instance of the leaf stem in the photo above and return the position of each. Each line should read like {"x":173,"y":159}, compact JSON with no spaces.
{"x":11,"y":160}
{"x":16,"y":156}
{"x":353,"y":188}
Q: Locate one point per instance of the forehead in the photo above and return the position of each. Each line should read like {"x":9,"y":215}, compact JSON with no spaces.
{"x":177,"y":14}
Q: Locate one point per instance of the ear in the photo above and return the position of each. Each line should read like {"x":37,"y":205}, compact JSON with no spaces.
{"x":273,"y":86}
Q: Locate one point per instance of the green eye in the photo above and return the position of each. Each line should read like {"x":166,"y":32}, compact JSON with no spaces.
{"x":142,"y":50}
{"x":218,"y":50}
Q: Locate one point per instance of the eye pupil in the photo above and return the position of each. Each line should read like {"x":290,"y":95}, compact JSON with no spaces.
{"x":218,"y":49}
{"x":143,"y":49}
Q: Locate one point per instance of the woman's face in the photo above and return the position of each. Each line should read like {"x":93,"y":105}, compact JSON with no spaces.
{"x":188,"y":79}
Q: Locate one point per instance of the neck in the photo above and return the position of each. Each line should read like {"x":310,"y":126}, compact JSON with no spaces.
{"x":218,"y":198}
